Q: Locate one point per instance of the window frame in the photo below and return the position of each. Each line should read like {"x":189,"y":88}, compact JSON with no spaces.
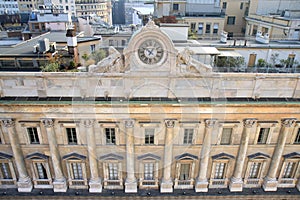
{"x":223,"y":125}
{"x":189,"y":182}
{"x":149,"y":125}
{"x":72,"y":138}
{"x":111,"y":140}
{"x":188,"y":135}
{"x":231,"y":20}
{"x":26,"y":125}
{"x":114,"y":125}
{"x":64,"y":127}
{"x":35,"y":173}
{"x":260,"y":125}
{"x":8,"y":182}
{"x":289,"y":181}
{"x":107,"y":182}
{"x":149,"y":138}
{"x":73,"y":183}
{"x":146,"y":159}
{"x":295,"y":134}
{"x":250,"y":182}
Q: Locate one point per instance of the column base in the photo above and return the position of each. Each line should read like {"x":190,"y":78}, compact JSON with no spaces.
{"x":270,"y":184}
{"x":236,"y":185}
{"x":298,"y":185}
{"x":95,"y":186}
{"x":130,"y":186}
{"x":24,"y":185}
{"x":60,"y":185}
{"x":166,"y":186}
{"x":201,"y":186}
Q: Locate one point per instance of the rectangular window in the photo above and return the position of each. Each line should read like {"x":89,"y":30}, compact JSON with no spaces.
{"x":263,"y":135}
{"x":289,"y":170}
{"x":110,"y":135}
{"x":149,"y":171}
{"x":93,"y":48}
{"x":200,"y":28}
{"x":175,"y":6}
{"x":41,"y":171}
{"x":77,"y":171}
{"x":72,"y":137}
{"x":5,"y":171}
{"x":188,"y":136}
{"x":231,"y":20}
{"x":207,"y":28}
{"x":184,"y":172}
{"x":290,"y":60}
{"x":113,"y":171}
{"x":33,"y":135}
{"x":226,"y":136}
{"x":219,"y":170}
{"x":149,"y":136}
{"x":254,"y":30}
{"x":241,"y":6}
{"x":224,"y":5}
{"x":297,"y":139}
{"x":193,"y":27}
{"x":216,"y":28}
{"x":254,"y":170}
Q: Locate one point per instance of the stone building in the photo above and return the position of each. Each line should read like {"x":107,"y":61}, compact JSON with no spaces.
{"x":151,"y":117}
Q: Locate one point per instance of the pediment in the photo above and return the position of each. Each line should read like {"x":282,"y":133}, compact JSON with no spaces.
{"x":111,"y":156}
{"x":222,"y":156}
{"x":148,"y":156}
{"x":186,"y":156}
{"x":292,"y":155}
{"x":37,"y":155}
{"x":5,"y":156}
{"x":74,"y":156}
{"x":258,"y":155}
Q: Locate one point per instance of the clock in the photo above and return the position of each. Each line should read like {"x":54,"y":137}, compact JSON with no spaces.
{"x":150,"y":52}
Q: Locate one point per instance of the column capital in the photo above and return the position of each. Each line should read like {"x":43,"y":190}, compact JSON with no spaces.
{"x":87,"y":123}
{"x":209,"y":123}
{"x":48,"y":123}
{"x":288,"y":122}
{"x":129,"y":123}
{"x":170,"y":123}
{"x":248,"y":123}
{"x":8,"y":123}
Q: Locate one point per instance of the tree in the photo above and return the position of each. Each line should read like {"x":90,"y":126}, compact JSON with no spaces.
{"x":51,"y":67}
{"x":98,"y":55}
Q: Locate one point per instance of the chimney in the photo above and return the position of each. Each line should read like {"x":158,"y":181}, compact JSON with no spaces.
{"x":72,"y":43}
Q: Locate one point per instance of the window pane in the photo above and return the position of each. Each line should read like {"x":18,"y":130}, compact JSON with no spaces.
{"x":184,"y":172}
{"x":254,"y":170}
{"x":42,"y":174}
{"x":149,"y":136}
{"x":5,"y":171}
{"x":149,"y":171}
{"x":219,"y":170}
{"x":72,"y":137}
{"x":33,"y":135}
{"x":77,"y":171}
{"x":110,"y":136}
{"x":188,"y":136}
{"x":297,"y":139}
{"x":226,"y":136}
{"x":113,"y":171}
{"x":263,"y":135}
{"x":289,"y":170}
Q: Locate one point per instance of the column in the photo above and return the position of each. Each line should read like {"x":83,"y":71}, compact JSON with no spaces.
{"x":236,"y":182}
{"x":95,"y":184}
{"x":270,"y":181}
{"x":59,"y":183}
{"x":167,"y":182}
{"x":24,"y":183}
{"x":131,"y":182}
{"x":298,"y":184}
{"x":202,"y":182}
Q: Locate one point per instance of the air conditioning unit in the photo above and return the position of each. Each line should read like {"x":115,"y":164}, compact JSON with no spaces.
{"x":36,"y":48}
{"x":44,"y":45}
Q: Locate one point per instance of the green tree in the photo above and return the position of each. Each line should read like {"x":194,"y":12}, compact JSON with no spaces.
{"x":98,"y":55}
{"x":51,"y":67}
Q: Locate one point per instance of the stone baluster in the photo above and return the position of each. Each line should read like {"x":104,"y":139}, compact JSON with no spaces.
{"x":202,"y":182}
{"x":59,"y":183}
{"x":270,"y":181}
{"x":167,"y":182}
{"x":131,"y":182}
{"x":95,"y":184}
{"x":236,"y":182}
{"x":24,"y":183}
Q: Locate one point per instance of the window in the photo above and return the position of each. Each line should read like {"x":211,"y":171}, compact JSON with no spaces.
{"x":113,"y":171}
{"x":263,"y":135}
{"x":33,"y":135}
{"x":149,"y":136}
{"x":93,"y":48}
{"x":254,"y":170}
{"x":297,"y":139}
{"x":193,"y":27}
{"x":252,"y":60}
{"x":200,"y":28}
{"x":224,"y":5}
{"x":77,"y":171}
{"x":289,"y":170}
{"x":216,"y":28}
{"x":188,"y":136}
{"x":290,"y":60}
{"x":5,"y":172}
{"x":71,"y":134}
{"x":110,"y":135}
{"x":231,"y":20}
{"x":175,"y":6}
{"x":219,"y":170}
{"x":226,"y":136}
{"x":254,"y":30}
{"x":184,"y":172}
{"x":207,"y":28}
{"x":41,"y":171}
{"x":149,"y":171}
{"x":241,"y":6}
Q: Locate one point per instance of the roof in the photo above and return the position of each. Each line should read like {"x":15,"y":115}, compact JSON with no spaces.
{"x":230,"y":54}
{"x":200,"y":50}
{"x":144,"y":10}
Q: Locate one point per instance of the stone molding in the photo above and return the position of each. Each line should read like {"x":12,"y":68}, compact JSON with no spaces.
{"x":8,"y":123}
{"x":129,"y":123}
{"x":248,"y":123}
{"x":87,"y":123}
{"x":48,"y":123}
{"x":288,"y":122}
{"x":170,"y":123}
{"x":209,"y":123}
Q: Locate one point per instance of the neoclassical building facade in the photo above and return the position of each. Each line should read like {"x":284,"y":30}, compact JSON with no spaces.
{"x":149,"y":118}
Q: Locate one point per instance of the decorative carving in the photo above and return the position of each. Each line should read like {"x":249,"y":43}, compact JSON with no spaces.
{"x":248,"y":123}
{"x":209,"y":123}
{"x":113,"y":63}
{"x":129,"y":123}
{"x":8,"y":123}
{"x":188,"y":64}
{"x":48,"y":123}
{"x":288,"y":122}
{"x":87,"y":123}
{"x":170,"y":123}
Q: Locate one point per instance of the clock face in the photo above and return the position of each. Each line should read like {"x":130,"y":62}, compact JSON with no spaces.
{"x":150,"y":52}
